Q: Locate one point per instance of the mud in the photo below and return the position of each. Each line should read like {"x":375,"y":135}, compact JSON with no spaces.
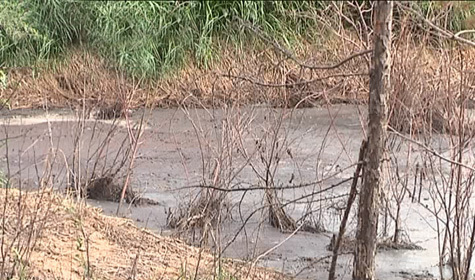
{"x":179,"y":150}
{"x":108,"y":189}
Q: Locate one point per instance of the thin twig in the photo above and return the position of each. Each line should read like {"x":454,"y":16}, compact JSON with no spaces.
{"x":259,"y":83}
{"x":351,"y":199}
{"x":264,"y":187}
{"x":433,"y":152}
{"x":273,"y":248}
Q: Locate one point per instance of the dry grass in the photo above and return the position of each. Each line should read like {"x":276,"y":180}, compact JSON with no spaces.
{"x":429,"y":86}
{"x":82,"y":78}
{"x":72,"y":240}
{"x":86,"y":78}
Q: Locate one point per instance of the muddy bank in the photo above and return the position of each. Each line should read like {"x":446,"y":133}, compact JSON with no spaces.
{"x":179,"y":151}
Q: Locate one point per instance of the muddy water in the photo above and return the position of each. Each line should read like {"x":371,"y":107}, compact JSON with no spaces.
{"x":179,"y":149}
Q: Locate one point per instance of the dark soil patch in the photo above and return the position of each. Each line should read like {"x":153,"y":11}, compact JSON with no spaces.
{"x":348,"y":245}
{"x":107,"y":189}
{"x":389,"y":245}
{"x":110,"y":112}
{"x":424,"y":275}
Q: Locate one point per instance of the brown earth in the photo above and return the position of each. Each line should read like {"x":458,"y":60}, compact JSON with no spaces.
{"x":46,"y":236}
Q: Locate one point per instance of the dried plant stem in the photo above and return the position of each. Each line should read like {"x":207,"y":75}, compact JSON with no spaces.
{"x":344,"y":220}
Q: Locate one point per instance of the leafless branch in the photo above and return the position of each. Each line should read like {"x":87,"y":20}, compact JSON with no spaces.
{"x":428,"y":149}
{"x":259,"y":83}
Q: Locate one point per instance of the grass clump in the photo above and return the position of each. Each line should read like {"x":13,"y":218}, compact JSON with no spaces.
{"x":34,"y":31}
{"x":3,"y":181}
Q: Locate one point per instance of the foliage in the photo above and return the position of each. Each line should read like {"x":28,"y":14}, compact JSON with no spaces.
{"x":145,"y":39}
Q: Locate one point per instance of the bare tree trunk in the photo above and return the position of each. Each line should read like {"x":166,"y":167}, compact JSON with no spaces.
{"x":372,"y":177}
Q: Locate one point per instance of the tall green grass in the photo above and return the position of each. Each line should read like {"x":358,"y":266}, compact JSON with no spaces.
{"x":34,"y":30}
{"x":146,"y":39}
{"x":150,"y":39}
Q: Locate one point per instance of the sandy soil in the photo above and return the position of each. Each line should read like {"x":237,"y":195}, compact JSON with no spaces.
{"x":60,"y":239}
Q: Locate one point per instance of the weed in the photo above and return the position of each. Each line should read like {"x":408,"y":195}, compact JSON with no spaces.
{"x":21,"y":265}
{"x":4,"y":183}
{"x":3,"y":79}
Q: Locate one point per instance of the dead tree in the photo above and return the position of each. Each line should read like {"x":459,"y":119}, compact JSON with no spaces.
{"x":368,"y":207}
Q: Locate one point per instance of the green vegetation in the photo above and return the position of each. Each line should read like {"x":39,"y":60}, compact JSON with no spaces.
{"x":3,"y":181}
{"x":451,"y":15}
{"x":145,"y":39}
{"x":149,"y":39}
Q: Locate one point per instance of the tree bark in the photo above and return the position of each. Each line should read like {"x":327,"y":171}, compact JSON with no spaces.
{"x":372,"y":179}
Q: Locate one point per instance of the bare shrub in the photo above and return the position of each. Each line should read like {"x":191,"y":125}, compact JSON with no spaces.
{"x":91,"y":171}
{"x":271,"y":148}
{"x":204,"y":213}
{"x":98,"y":172}
{"x":452,"y":194}
{"x":423,"y":79}
{"x":219,"y":162}
{"x":415,"y":105}
{"x":445,"y":170}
